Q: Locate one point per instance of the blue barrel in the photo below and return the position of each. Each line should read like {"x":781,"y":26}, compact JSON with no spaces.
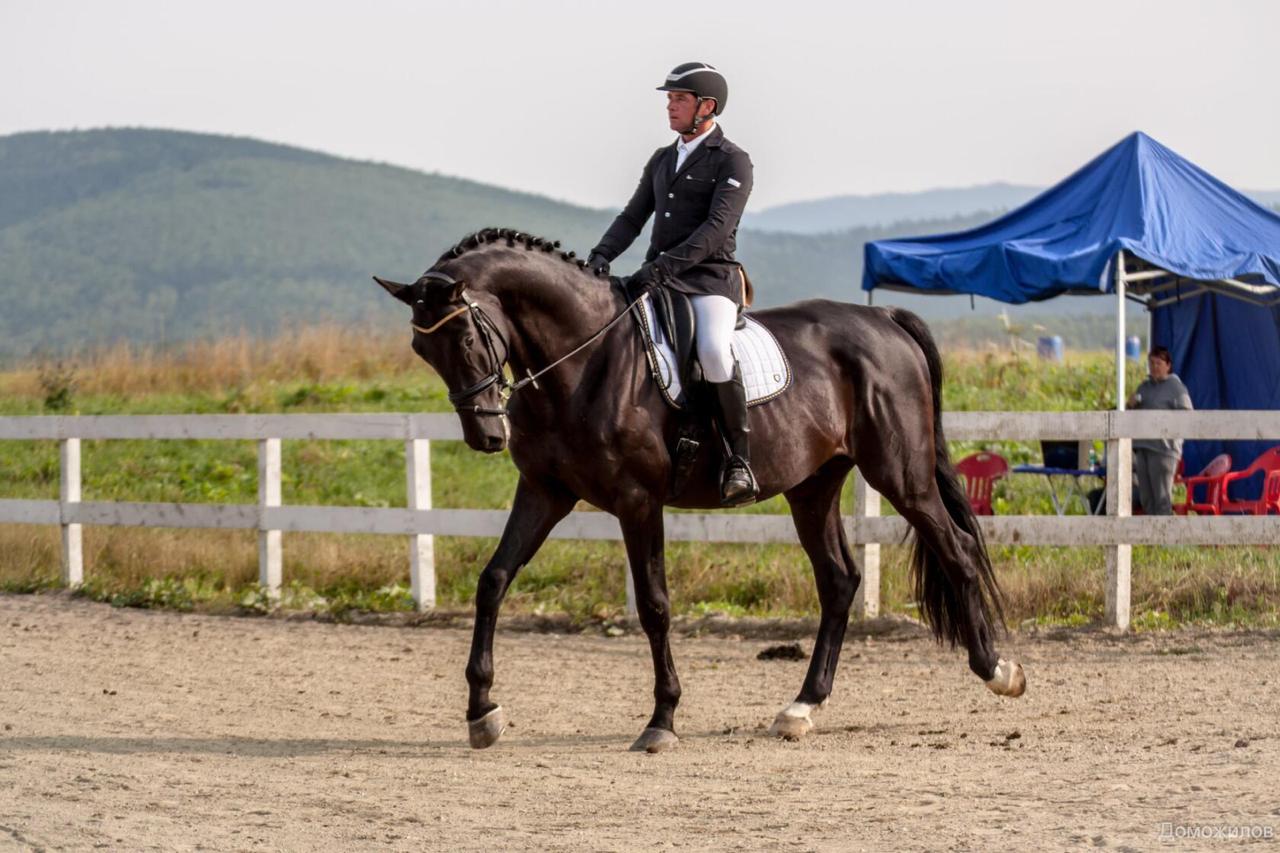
{"x":1050,"y":348}
{"x":1133,"y":348}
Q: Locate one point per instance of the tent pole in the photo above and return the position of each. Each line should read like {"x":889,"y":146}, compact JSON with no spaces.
{"x":1120,"y":306}
{"x":1151,"y":323}
{"x":1119,"y":480}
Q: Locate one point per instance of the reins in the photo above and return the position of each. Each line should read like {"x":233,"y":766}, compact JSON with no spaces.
{"x":495,"y":376}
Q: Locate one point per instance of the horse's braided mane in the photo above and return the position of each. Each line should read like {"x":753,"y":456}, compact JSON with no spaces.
{"x":511,"y":236}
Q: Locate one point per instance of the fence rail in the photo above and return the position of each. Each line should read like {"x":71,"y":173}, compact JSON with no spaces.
{"x":866,"y":529}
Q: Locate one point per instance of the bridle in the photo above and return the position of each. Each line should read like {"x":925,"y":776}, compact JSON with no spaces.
{"x":488,"y":331}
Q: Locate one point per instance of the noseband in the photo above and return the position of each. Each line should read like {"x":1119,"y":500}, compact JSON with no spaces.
{"x":488,"y":331}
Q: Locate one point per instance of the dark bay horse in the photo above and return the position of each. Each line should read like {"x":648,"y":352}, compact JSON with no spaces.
{"x":866,"y":392}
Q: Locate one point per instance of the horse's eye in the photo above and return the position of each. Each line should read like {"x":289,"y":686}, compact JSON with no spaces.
{"x":468,"y":340}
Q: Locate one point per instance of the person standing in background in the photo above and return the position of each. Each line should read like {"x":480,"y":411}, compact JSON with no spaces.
{"x":1155,"y":460}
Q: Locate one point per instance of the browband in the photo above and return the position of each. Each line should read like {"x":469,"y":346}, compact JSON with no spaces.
{"x":447,"y":279}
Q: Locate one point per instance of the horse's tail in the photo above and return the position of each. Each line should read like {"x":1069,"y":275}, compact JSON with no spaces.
{"x":940,"y":604}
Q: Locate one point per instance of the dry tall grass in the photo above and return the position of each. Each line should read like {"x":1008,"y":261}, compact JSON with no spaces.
{"x":119,"y":559}
{"x":312,"y":353}
{"x":585,"y":579}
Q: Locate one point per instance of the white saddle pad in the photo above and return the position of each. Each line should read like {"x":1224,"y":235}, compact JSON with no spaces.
{"x":765,"y":370}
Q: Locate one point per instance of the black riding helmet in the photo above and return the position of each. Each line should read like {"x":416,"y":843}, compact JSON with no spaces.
{"x":701,"y":80}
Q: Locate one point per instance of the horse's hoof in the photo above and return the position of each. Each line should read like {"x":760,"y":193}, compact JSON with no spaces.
{"x":793,"y":722}
{"x":1008,"y":680}
{"x":485,"y":731}
{"x":655,"y":740}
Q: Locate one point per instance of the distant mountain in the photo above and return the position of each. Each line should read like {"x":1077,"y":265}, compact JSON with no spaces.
{"x":150,"y":235}
{"x":155,"y":236}
{"x":850,"y":211}
{"x":853,"y":211}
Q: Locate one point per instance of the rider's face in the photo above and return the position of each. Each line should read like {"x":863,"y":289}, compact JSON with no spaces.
{"x":680,"y":108}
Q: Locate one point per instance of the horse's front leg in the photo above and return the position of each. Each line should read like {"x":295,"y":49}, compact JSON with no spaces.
{"x":642,"y":532}
{"x":537,"y":508}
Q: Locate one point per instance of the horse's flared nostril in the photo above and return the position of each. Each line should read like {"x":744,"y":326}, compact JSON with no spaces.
{"x":493,"y":443}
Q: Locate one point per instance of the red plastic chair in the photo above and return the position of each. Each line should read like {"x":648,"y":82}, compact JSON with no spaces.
{"x":1211,"y":479}
{"x":1268,"y":465}
{"x":980,"y":472}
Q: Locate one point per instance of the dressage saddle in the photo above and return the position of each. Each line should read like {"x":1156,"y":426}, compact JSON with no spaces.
{"x":673,"y":311}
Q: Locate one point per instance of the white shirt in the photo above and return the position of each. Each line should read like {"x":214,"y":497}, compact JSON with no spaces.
{"x":684,"y":149}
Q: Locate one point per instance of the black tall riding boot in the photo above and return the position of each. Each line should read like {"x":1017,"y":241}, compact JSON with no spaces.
{"x":737,"y":483}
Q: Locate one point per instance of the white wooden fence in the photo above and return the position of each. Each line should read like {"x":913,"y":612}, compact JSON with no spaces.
{"x":420,"y":522}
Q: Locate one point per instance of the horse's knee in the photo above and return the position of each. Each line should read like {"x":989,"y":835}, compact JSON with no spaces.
{"x":655,"y":614}
{"x":492,"y":585}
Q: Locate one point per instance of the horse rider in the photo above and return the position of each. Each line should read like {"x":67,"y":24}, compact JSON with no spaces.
{"x":696,"y":189}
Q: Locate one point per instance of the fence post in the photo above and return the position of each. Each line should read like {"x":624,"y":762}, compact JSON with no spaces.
{"x":422,"y":547}
{"x":1119,"y":505}
{"x":631,"y":589}
{"x":866,"y":603}
{"x":69,"y":493}
{"x":270,"y":551}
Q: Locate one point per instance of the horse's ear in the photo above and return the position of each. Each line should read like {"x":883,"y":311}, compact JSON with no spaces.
{"x":396,"y":289}
{"x":455,"y":295}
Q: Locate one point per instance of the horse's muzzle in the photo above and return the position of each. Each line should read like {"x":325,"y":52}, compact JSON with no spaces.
{"x":485,"y":433}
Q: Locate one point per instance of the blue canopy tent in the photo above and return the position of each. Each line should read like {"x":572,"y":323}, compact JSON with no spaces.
{"x":1142,"y":223}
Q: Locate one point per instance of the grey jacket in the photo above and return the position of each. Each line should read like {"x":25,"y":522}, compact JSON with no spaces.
{"x":1169,"y":394}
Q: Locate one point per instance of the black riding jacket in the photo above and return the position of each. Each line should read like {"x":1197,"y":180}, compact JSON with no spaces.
{"x":696,"y":213}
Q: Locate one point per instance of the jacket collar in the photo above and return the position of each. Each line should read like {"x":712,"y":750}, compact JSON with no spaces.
{"x":714,"y":138}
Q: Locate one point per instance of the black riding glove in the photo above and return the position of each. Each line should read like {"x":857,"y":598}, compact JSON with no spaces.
{"x":645,"y":279}
{"x":597,"y":264}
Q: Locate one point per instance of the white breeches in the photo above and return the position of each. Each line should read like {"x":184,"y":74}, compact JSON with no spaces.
{"x":716,"y":317}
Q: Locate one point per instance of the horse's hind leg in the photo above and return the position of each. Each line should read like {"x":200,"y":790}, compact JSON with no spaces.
{"x":535,"y":511}
{"x":949,"y":563}
{"x":815,"y":508}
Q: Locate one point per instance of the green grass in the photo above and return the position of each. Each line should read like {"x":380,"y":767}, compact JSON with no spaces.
{"x":339,"y":574}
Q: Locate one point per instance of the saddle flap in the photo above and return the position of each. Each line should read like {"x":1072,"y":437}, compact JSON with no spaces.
{"x":674,"y":312}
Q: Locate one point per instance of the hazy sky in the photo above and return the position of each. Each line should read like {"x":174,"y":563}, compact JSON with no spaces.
{"x":557,"y":97}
